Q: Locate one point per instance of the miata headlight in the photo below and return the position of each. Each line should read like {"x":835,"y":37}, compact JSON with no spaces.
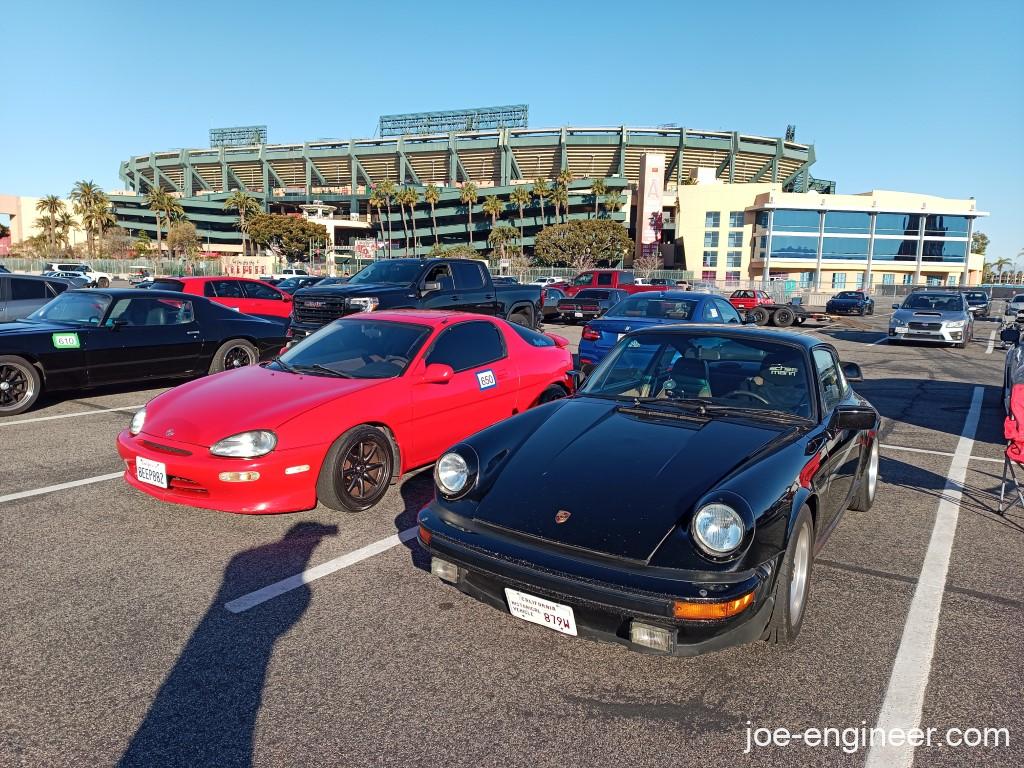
{"x":364,"y":303}
{"x":138,"y":421}
{"x":451,"y":474}
{"x":718,"y":529}
{"x":246,"y":445}
{"x":955,"y":324}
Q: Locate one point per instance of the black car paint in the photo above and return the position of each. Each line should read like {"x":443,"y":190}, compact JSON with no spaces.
{"x":123,"y":354}
{"x":570,"y":305}
{"x":632,"y":554}
{"x":862,"y":304}
{"x":316,"y":306}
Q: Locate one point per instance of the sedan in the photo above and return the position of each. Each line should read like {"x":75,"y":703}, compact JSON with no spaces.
{"x":743,"y":448}
{"x":644,"y":310}
{"x":850,"y":303}
{"x":1015,"y":305}
{"x":589,"y":303}
{"x":252,"y":297}
{"x":339,"y":417}
{"x":934,"y":317}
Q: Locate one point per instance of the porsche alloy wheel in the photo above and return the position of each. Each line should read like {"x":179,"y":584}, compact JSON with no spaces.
{"x":357,"y":471}
{"x":19,"y":385}
{"x":868,"y":481}
{"x":236,"y":353}
{"x":793,"y":584}
{"x":801,"y":569}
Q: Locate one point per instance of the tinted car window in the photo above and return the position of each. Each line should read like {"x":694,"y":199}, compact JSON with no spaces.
{"x":728,"y":311}
{"x":654,"y":304}
{"x":604,"y":278}
{"x":57,"y":288}
{"x":78,"y":308}
{"x":829,"y":377}
{"x":533,"y":338}
{"x":260,"y":291}
{"x":363,"y":349}
{"x":468,"y":276}
{"x":395,"y":272}
{"x":593,"y":295}
{"x":174,"y":285}
{"x":22,"y":289}
{"x":224,"y":289}
{"x":584,"y":279}
{"x":935,"y":302}
{"x":849,"y":295}
{"x":468,"y":345}
{"x":151,"y":311}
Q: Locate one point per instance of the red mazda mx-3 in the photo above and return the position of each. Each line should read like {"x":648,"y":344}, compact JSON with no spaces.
{"x":341,"y":415}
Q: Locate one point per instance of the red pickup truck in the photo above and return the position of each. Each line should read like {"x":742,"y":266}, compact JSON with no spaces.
{"x":609,"y":278}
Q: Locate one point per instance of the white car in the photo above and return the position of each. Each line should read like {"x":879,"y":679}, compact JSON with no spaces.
{"x":1015,"y":305}
{"x":284,"y":274}
{"x":543,"y":281}
{"x":99,"y":279}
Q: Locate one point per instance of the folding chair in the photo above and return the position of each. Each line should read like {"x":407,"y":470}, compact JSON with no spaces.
{"x":1014,"y":453}
{"x":1010,"y":475}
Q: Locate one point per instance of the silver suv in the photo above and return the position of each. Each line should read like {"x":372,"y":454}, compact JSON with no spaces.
{"x":933,"y":316}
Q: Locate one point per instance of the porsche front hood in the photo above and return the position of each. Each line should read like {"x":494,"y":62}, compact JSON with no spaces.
{"x":624,"y":479}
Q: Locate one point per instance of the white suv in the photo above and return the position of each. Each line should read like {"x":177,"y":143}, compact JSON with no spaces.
{"x":99,"y":279}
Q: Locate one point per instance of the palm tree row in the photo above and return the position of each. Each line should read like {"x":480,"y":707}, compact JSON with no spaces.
{"x":89,"y":203}
{"x":166,"y":208}
{"x":247,"y":207}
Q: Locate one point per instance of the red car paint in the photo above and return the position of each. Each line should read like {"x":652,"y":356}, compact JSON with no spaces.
{"x":748,"y":299}
{"x":240,"y":293}
{"x":608,"y":278}
{"x":308,"y":413}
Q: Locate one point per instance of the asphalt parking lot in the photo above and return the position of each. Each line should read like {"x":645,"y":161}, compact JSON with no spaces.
{"x":131,"y":635}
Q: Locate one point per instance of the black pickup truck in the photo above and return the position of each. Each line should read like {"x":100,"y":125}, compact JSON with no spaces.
{"x":462,"y":284}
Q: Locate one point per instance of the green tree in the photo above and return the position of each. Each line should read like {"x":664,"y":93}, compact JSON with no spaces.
{"x":560,"y":199}
{"x":493,"y":207}
{"x":541,"y":191}
{"x":5,"y":231}
{"x":90,"y":203}
{"x":501,"y":237}
{"x":408,"y":197}
{"x":96,"y":220}
{"x":142,"y":244}
{"x":597,"y":189}
{"x":979,"y":243}
{"x":454,"y":252}
{"x":582,"y":244}
{"x":65,"y":223}
{"x":400,"y":199}
{"x":183,"y":238}
{"x":520,"y":263}
{"x":288,"y":237}
{"x":999,"y":266}
{"x":50,"y":206}
{"x":246,"y":207}
{"x":468,"y":197}
{"x":412,"y":197}
{"x":613,"y":201}
{"x":386,"y":191}
{"x":520,"y":197}
{"x":432,"y":195}
{"x":166,"y":209}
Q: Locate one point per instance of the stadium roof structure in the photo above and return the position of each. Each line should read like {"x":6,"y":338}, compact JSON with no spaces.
{"x":476,"y":119}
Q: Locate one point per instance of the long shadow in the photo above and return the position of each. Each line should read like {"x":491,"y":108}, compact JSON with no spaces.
{"x":416,"y":492}
{"x":205,"y":712}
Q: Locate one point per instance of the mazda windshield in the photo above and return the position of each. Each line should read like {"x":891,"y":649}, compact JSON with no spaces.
{"x":356,"y":349}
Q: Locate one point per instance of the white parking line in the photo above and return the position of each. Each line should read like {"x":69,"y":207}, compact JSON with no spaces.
{"x":904,"y":698}
{"x":878,"y":341}
{"x":69,"y":415}
{"x":991,"y":342}
{"x":59,"y":487}
{"x":269,"y":592}
{"x":885,"y":446}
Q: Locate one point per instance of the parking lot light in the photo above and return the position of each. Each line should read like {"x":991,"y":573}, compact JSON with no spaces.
{"x":685,"y":609}
{"x":658,"y":638}
{"x":238,"y":477}
{"x":444,"y":570}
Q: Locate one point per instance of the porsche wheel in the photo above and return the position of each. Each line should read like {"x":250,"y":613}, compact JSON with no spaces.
{"x":868,"y":481}
{"x":236,"y":353}
{"x":357,"y":470}
{"x":793,"y":584}
{"x":20,"y":385}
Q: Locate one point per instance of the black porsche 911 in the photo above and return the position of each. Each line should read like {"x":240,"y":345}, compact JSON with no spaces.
{"x":90,"y":338}
{"x":675,"y":504}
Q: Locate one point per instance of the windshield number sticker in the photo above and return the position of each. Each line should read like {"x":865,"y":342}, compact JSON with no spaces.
{"x":65,"y":341}
{"x":486,"y":379}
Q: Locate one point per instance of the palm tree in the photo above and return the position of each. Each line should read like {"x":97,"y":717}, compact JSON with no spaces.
{"x":560,"y":199}
{"x":433,"y":196}
{"x":97,"y":219}
{"x":999,"y":265}
{"x":493,"y":207}
{"x":402,"y":198}
{"x":87,"y":195}
{"x":521,"y":197}
{"x":51,"y":206}
{"x":468,"y":197}
{"x":245,"y":206}
{"x":613,"y":201}
{"x":65,"y":222}
{"x":541,"y":190}
{"x":412,"y":196}
{"x":387,"y":190}
{"x":377,"y":201}
{"x":597,"y":189}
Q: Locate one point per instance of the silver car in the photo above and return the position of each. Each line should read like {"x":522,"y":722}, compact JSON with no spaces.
{"x":21,"y":295}
{"x":933,"y":316}
{"x":1015,"y":305}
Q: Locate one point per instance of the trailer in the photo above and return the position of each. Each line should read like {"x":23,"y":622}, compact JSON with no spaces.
{"x":783,"y":315}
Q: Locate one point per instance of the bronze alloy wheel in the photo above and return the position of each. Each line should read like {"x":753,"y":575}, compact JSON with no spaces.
{"x":364,"y":470}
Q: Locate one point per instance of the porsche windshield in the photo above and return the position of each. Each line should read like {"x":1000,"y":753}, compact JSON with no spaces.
{"x":75,"y":308}
{"x":705,"y":370}
{"x":356,"y":349}
{"x":397,"y":272}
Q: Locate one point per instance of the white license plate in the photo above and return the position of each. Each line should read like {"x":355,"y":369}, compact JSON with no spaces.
{"x":578,"y":314}
{"x":151,"y":472}
{"x":540,"y":611}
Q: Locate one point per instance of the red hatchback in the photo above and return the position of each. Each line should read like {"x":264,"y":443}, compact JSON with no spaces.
{"x":340,"y":416}
{"x":251,"y":297}
{"x":750,"y":299}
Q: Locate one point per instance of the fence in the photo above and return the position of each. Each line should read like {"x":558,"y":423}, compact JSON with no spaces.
{"x":119,"y":268}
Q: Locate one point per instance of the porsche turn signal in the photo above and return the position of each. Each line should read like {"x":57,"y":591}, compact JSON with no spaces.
{"x":685,"y":609}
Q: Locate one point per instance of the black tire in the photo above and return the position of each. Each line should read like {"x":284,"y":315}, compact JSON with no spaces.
{"x":863,"y":311}
{"x":235,"y":353}
{"x":523,"y":317}
{"x":783,"y":317}
{"x":786,"y":621}
{"x":759,"y":316}
{"x":868,"y":481}
{"x":103,"y":282}
{"x":357,"y":470}
{"x":20,"y":385}
{"x":554,"y":392}
{"x":871,"y":309}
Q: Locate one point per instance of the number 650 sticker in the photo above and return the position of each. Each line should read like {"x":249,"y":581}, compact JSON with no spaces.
{"x":486,"y":379}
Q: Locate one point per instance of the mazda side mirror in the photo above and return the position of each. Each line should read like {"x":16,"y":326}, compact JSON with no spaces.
{"x":578,"y":378}
{"x":431,"y":286}
{"x":437,"y":373}
{"x":852,"y":372}
{"x":857,"y":417}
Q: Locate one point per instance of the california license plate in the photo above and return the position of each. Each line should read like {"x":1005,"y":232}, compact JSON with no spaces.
{"x":540,"y":611}
{"x":151,"y":472}
{"x":578,"y":314}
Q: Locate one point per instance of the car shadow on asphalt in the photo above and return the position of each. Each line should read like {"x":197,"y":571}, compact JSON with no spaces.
{"x":417,"y":491}
{"x":204,"y":713}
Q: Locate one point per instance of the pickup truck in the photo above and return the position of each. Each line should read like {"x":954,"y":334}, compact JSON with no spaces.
{"x":456,"y":284}
{"x":619,"y":279}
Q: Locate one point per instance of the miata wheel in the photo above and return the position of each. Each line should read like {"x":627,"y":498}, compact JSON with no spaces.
{"x":236,"y":353}
{"x":20,"y":385}
{"x":357,"y":470}
{"x":793,"y":584}
{"x":868,"y":481}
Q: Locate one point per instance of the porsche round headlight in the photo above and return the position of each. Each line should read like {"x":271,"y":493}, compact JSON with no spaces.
{"x":718,"y":529}
{"x":138,"y":421}
{"x":451,"y":473}
{"x":246,"y":445}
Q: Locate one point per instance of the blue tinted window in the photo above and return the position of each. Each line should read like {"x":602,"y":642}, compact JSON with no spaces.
{"x":710,"y":239}
{"x":888,"y":278}
{"x":805,"y":279}
{"x":712,"y":219}
{"x":946,"y":226}
{"x":897,"y":224}
{"x":735,"y":239}
{"x":844,"y":248}
{"x":895,"y":250}
{"x":736,"y":219}
{"x":710,"y":259}
{"x":734,"y":259}
{"x":838,"y":279}
{"x":792,"y":247}
{"x":945,"y":250}
{"x":853,"y":222}
{"x":762,"y":219}
{"x":795,"y":221}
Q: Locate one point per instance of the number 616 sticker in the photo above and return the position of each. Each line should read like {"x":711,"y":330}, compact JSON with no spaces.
{"x":486,"y":379}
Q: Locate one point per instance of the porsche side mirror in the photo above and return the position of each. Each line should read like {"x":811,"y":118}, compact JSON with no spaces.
{"x":852,"y":372}
{"x":437,"y":373}
{"x":855,"y":417}
{"x":1010,"y":335}
{"x":431,"y":286}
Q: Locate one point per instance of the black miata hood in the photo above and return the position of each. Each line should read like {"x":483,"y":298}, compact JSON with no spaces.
{"x":625,"y":479}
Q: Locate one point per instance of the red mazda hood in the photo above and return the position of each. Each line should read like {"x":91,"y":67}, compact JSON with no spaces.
{"x":210,"y":409}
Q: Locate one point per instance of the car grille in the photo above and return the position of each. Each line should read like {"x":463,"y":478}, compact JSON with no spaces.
{"x":318,"y":310}
{"x":926,"y":326}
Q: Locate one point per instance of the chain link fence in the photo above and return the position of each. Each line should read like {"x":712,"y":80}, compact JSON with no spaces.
{"x":121,"y":268}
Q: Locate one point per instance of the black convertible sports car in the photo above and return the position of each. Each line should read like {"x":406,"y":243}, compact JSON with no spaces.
{"x":675,"y":504}
{"x":88,"y":338}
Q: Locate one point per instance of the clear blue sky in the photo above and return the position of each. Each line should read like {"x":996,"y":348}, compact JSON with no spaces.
{"x":917,"y":96}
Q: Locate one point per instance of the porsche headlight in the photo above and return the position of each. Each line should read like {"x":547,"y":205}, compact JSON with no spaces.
{"x":955,"y":324}
{"x":718,"y":529}
{"x":451,"y":473}
{"x":246,"y":445}
{"x":138,"y":421}
{"x":363,"y":303}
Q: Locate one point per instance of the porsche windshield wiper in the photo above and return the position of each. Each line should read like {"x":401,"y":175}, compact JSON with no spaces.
{"x":705,"y":408}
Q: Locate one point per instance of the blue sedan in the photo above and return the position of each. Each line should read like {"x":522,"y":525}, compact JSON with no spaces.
{"x":642,"y":310}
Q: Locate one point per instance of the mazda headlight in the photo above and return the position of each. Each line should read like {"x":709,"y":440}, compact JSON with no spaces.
{"x":718,"y":529}
{"x":246,"y":445}
{"x":138,"y":421}
{"x":363,"y":303}
{"x":451,"y":473}
{"x":955,"y":324}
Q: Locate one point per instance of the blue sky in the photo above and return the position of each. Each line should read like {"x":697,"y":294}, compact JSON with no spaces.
{"x":916,"y":96}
